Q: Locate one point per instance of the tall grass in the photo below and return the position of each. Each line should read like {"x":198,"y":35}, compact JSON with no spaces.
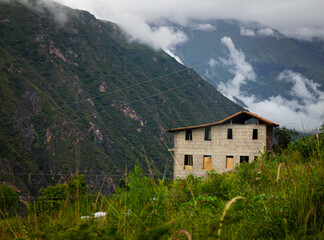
{"x":276,"y":197}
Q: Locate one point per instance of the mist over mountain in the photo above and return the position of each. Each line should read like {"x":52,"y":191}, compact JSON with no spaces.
{"x":284,"y":74}
{"x":257,"y":67}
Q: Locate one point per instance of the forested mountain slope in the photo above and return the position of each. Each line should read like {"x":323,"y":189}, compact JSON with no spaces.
{"x":76,"y":96}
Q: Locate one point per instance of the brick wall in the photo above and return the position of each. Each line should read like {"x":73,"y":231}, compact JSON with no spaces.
{"x":219,"y":147}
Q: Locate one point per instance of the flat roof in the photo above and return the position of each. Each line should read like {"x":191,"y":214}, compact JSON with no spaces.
{"x":239,"y":117}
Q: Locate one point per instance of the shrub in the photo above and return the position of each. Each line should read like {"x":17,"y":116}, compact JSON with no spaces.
{"x":308,"y":147}
{"x":53,"y":197}
{"x":8,"y":201}
{"x":214,"y":185}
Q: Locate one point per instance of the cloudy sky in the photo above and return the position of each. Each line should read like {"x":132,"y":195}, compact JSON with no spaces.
{"x":302,"y":19}
{"x":296,"y":18}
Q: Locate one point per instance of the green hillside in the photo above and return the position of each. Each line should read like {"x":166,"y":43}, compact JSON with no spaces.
{"x":76,"y":96}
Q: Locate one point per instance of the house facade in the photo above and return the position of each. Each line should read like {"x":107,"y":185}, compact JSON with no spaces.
{"x":220,"y":145}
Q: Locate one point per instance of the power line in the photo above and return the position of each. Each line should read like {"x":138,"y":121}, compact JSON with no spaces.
{"x":129,"y":86}
{"x":102,"y":95}
{"x":94,"y":114}
{"x":136,"y":84}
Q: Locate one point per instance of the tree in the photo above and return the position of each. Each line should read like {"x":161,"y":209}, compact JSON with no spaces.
{"x":283,"y":136}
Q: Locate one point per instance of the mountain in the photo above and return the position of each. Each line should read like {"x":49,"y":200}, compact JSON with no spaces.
{"x":77,"y":96}
{"x":257,"y":67}
{"x":266,"y":49}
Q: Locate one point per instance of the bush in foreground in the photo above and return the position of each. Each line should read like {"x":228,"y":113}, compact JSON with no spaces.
{"x":279,"y":196}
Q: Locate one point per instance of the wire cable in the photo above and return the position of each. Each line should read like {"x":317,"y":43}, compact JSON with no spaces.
{"x":98,"y":113}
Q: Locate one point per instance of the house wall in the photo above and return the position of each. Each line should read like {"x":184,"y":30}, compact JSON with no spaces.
{"x":219,"y":147}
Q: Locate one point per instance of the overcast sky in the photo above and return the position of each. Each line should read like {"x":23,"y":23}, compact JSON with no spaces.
{"x":297,"y":18}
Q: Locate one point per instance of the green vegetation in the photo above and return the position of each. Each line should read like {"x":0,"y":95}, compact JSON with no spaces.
{"x":79,"y":96}
{"x":283,"y":136}
{"x":8,"y":201}
{"x":279,"y":196}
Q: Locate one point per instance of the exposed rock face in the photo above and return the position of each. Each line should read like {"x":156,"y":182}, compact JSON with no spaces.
{"x":129,"y":112}
{"x":56,"y":51}
{"x":103,"y":87}
{"x":97,"y":134}
{"x":33,"y":98}
{"x":90,"y":101}
{"x":48,"y":136}
{"x":98,"y":137}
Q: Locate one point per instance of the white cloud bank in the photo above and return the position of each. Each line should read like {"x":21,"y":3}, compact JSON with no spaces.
{"x":296,"y":18}
{"x":245,"y":31}
{"x":305,"y":109}
{"x":260,"y":31}
{"x":203,"y":27}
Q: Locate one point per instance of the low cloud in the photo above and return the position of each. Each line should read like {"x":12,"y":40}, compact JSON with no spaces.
{"x":259,"y":30}
{"x":57,"y":11}
{"x":203,"y":27}
{"x":305,"y":33}
{"x":210,"y":71}
{"x":237,"y":65}
{"x":297,"y":18}
{"x":305,"y":90}
{"x":244,"y":31}
{"x":268,"y":32}
{"x":157,"y":37}
{"x":303,"y":111}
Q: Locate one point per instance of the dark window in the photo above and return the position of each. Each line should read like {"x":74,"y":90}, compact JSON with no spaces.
{"x":244,"y":159}
{"x":207,"y":134}
{"x":189,"y":134}
{"x":255,"y":134}
{"x":229,"y":133}
{"x":188,"y":162}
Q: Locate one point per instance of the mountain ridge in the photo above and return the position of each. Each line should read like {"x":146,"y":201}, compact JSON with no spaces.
{"x":257,"y":67}
{"x":80,"y":98}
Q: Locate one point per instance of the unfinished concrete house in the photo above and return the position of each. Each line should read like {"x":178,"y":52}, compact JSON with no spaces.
{"x":220,"y":145}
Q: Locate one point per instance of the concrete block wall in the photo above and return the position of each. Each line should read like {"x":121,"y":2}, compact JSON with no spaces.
{"x":219,"y":147}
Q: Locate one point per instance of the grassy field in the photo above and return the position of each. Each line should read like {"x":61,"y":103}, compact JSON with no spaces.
{"x":279,"y":196}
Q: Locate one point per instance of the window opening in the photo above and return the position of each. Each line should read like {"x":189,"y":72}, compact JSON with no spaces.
{"x":188,"y":162}
{"x":255,"y":134}
{"x":244,"y":159}
{"x":207,"y":162}
{"x":229,"y":133}
{"x":229,"y":162}
{"x":189,"y":134}
{"x":207,"y":134}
